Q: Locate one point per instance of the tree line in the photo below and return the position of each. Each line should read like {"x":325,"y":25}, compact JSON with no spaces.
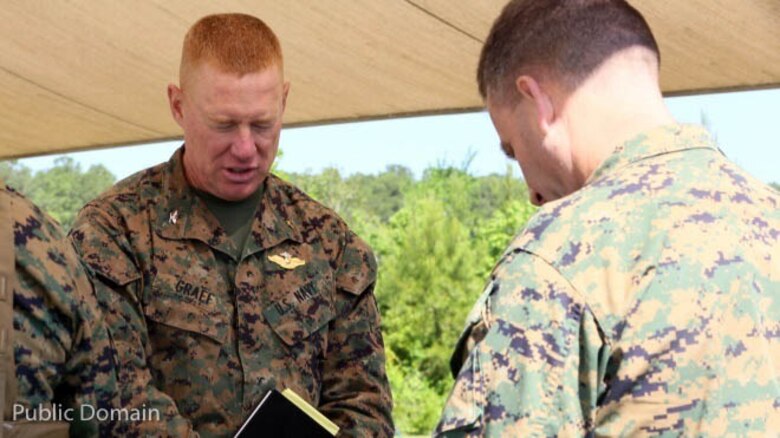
{"x":436,"y":239}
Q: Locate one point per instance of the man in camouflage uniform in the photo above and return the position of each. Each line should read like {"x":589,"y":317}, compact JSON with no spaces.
{"x":644,"y":296}
{"x":55,"y":353}
{"x":221,"y":281}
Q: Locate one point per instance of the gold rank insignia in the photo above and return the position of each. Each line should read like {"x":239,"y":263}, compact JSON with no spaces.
{"x":286,"y":261}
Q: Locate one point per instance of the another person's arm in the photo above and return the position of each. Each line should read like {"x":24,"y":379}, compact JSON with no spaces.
{"x":62,"y":351}
{"x":534,"y":368}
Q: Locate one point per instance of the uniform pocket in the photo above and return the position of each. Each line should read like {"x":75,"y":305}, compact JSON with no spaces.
{"x":186,"y":342}
{"x":299,"y":319}
{"x":187,"y":298}
{"x":301,"y":312}
{"x":171,"y":311}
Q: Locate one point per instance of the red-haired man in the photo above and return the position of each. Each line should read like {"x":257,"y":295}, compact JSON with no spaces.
{"x":219,"y":280}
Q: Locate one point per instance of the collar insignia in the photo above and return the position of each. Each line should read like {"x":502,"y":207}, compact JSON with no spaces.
{"x":173,"y":217}
{"x":286,"y":261}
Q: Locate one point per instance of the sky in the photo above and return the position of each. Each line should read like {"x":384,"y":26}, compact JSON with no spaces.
{"x":744,"y":123}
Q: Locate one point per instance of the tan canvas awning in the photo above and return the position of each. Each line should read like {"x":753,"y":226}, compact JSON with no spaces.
{"x":84,"y":73}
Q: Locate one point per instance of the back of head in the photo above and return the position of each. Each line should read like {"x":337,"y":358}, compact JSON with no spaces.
{"x":565,"y":40}
{"x":233,"y":43}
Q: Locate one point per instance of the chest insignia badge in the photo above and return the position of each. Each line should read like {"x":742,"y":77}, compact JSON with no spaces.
{"x":286,"y":261}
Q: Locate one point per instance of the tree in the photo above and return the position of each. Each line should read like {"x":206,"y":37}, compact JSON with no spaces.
{"x":15,"y":175}
{"x":428,"y":279}
{"x":417,"y":404}
{"x":60,"y":191}
{"x":382,"y":195}
{"x":494,"y":191}
{"x":496,"y":232}
{"x":456,"y":190}
{"x":329,"y":188}
{"x":358,"y":197}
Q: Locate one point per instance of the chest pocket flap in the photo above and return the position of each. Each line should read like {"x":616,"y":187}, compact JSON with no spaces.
{"x":302,"y":312}
{"x":171,"y":311}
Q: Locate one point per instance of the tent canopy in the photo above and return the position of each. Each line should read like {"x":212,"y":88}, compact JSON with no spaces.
{"x":83,"y":74}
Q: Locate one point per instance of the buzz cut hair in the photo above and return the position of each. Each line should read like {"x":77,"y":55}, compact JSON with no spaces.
{"x":565,"y":40}
{"x":233,"y":43}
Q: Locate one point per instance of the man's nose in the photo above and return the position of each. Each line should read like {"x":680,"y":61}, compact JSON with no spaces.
{"x":536,"y":198}
{"x":244,"y":144}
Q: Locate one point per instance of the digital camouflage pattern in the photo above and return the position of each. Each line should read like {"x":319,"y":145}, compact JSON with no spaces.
{"x":646,"y":303}
{"x":62,"y":350}
{"x":203,"y":334}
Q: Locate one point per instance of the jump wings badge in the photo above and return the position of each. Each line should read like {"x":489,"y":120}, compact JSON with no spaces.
{"x":286,"y":261}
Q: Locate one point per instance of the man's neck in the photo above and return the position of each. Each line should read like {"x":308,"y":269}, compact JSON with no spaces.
{"x":620,"y":101}
{"x":235,"y":217}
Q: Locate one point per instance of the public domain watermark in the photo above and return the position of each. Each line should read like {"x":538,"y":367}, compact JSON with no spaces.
{"x":58,"y":412}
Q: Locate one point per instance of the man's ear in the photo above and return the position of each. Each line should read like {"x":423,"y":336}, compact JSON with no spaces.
{"x":175,"y":101}
{"x":532,"y":90}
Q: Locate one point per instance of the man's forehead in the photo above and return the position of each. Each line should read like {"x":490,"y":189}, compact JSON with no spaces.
{"x":211,"y":68}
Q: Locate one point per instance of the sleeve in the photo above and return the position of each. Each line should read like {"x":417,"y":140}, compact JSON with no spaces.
{"x":106,"y":251}
{"x":533,"y":369}
{"x":62,"y":351}
{"x":356,"y":392}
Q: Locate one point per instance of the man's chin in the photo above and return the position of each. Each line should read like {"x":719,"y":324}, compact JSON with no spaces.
{"x":232,"y":193}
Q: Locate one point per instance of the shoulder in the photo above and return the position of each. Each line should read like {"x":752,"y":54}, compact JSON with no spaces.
{"x":523,"y":280}
{"x":31,"y":226}
{"x":46,"y":263}
{"x":623,"y":209}
{"x":122,"y":207}
{"x":307,"y":214}
{"x":104,"y":229}
{"x":352,"y":257}
{"x":133,"y":193}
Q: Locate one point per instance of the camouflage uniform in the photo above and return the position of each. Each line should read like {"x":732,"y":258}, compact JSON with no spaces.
{"x":204,"y":334}
{"x":648,"y":303}
{"x":62,"y":351}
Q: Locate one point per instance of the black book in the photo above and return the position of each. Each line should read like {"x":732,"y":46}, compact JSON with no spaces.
{"x":286,"y":415}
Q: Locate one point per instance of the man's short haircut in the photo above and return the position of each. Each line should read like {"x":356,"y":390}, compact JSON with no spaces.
{"x":233,"y":43}
{"x":563,"y":39}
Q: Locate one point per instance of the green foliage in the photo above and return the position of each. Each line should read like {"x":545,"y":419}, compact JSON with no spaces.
{"x":505,"y":222}
{"x":60,"y":191}
{"x":427,"y":282}
{"x":15,"y":175}
{"x":456,"y":189}
{"x":417,"y":405}
{"x":493,"y":192}
{"x":775,"y":185}
{"x":382,"y":195}
{"x":329,"y":188}
{"x":359,"y":196}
